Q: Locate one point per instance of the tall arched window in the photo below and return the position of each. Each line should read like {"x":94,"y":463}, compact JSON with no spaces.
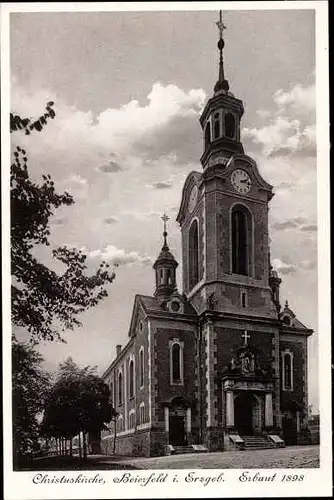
{"x":176,"y":373}
{"x":241,"y":226}
{"x":176,"y":361}
{"x":287,"y":371}
{"x":216,"y":126}
{"x":230,"y":126}
{"x":207,"y":134}
{"x":141,"y":367}
{"x":120,"y":389}
{"x":193,"y":255}
{"x":111,"y":389}
{"x":131,"y":379}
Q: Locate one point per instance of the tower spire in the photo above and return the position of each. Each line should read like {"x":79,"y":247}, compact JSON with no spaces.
{"x":222,"y":83}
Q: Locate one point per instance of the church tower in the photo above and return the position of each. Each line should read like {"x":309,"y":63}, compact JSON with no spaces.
{"x":224,"y":215}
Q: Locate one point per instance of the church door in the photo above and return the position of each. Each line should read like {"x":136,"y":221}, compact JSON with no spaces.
{"x":176,"y":430}
{"x":243,"y":414}
{"x":289,"y":425}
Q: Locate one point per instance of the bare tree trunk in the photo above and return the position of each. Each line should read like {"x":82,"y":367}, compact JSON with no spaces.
{"x":79,"y":444}
{"x":71,"y":449}
{"x":84,"y":445}
{"x":115,"y":436}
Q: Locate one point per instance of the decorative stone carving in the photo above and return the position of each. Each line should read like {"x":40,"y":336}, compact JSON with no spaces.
{"x":212,"y":301}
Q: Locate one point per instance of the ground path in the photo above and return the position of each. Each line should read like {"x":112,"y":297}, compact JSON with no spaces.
{"x":289,"y":457}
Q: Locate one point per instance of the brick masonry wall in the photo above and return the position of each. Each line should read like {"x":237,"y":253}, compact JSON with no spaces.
{"x":164,"y":390}
{"x":299,"y":360}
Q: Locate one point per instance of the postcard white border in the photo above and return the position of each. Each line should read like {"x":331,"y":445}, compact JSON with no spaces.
{"x":318,"y":482}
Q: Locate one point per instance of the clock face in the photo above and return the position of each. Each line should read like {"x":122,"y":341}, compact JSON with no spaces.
{"x":192,"y":198}
{"x":241,"y":181}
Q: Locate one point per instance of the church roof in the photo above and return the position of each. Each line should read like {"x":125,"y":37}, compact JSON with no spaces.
{"x":153,"y":305}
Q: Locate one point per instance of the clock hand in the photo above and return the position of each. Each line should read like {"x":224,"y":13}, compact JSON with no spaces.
{"x":244,"y":180}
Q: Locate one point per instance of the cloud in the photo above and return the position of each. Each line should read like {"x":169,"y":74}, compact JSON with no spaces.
{"x":110,"y":168}
{"x":162,"y":184}
{"x":77,"y":179}
{"x":309,"y":228}
{"x":112,"y":219}
{"x":59,"y":221}
{"x":308,"y":265}
{"x":282,"y":267}
{"x":290,"y":129}
{"x":289,"y":224}
{"x":163,"y":126}
{"x":119,"y":256}
{"x":299,"y":99}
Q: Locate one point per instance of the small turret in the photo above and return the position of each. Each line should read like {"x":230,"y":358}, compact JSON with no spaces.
{"x":165,"y":269}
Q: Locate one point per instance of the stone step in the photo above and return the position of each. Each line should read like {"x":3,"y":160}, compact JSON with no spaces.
{"x":182,"y":449}
{"x":257,"y":443}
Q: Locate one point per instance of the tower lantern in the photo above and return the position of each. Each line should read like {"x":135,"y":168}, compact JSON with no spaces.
{"x":165,"y":268}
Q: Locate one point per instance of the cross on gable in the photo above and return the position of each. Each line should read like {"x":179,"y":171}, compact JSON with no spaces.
{"x":245,"y":336}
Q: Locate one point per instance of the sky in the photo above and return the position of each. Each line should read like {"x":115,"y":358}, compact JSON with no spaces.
{"x":128,"y":89}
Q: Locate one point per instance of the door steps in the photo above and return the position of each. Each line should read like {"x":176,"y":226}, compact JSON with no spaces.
{"x":177,"y":450}
{"x":257,"y":443}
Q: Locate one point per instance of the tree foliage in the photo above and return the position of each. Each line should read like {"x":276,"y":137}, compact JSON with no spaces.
{"x":79,"y":401}
{"x":30,"y":386}
{"x":27,"y":124}
{"x":45,"y":302}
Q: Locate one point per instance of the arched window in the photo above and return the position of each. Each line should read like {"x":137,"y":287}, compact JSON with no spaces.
{"x":216,"y":126}
{"x":111,"y":389}
{"x":193,"y":255}
{"x":131,"y":379}
{"x":141,"y":367}
{"x":207,"y":134}
{"x":241,"y":241}
{"x":176,"y":361}
{"x":120,"y":389}
{"x":230,"y":126}
{"x":287,"y":371}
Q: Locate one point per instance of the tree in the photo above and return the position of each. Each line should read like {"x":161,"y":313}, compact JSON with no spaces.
{"x":30,"y":385}
{"x":45,"y":302}
{"x":78,"y":402}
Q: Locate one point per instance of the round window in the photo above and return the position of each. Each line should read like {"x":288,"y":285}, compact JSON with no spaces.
{"x":287,"y":320}
{"x":175,"y":306}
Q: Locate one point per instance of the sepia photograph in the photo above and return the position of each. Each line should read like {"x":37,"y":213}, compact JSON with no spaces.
{"x":167,"y":306}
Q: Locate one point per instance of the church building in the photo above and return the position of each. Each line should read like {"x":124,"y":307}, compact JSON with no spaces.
{"x":221,"y":364}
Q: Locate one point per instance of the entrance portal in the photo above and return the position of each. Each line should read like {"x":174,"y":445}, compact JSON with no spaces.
{"x":177,"y":422}
{"x":244,"y":405}
{"x":176,"y":431}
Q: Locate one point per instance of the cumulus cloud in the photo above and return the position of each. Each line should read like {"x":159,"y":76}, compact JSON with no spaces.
{"x":112,"y":219}
{"x":294,"y":223}
{"x":118,"y":256}
{"x":309,"y":228}
{"x":307,"y":265}
{"x":283,"y":267}
{"x":161,"y":184}
{"x":77,"y":179}
{"x":290,"y":130}
{"x":165,"y":126}
{"x":110,"y":167}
